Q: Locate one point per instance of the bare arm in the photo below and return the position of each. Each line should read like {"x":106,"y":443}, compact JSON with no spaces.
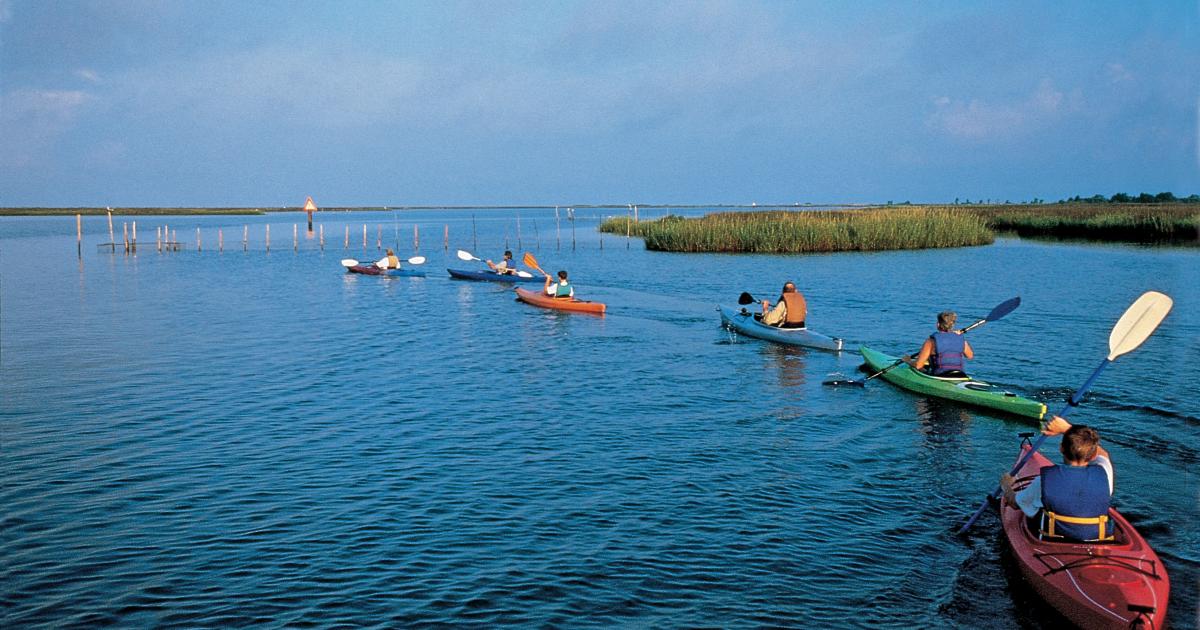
{"x":923,"y":357}
{"x":967,"y":351}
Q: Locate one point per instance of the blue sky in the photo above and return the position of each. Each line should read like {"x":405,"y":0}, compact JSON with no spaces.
{"x":141,"y":103}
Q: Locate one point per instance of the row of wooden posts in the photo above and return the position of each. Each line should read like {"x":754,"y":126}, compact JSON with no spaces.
{"x":165,"y":238}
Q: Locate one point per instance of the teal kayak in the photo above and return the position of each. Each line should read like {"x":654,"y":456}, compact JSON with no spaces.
{"x":744,"y":322}
{"x":962,"y":389}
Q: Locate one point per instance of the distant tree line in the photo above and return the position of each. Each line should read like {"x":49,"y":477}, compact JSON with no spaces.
{"x":1162,"y":197}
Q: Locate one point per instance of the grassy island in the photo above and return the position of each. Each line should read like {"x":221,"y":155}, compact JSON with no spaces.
{"x":912,"y":227}
{"x":812,"y":231}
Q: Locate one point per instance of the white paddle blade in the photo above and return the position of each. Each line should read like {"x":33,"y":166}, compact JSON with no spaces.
{"x":381,"y":263}
{"x":521,"y":273}
{"x":416,"y":260}
{"x":349,"y":262}
{"x":1138,"y":322}
{"x":464,"y":255}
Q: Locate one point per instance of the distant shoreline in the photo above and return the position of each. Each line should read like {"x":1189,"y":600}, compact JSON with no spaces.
{"x":157,"y":211}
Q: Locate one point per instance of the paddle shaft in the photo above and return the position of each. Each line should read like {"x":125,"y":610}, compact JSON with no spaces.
{"x":1073,"y":402}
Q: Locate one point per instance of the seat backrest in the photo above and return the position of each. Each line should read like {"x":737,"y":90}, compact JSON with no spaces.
{"x":1050,"y":520}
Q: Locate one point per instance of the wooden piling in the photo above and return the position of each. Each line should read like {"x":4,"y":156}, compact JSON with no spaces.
{"x":518,"y":232}
{"x":125,"y":235}
{"x":505,"y":237}
{"x":347,"y":245}
{"x":295,"y":237}
{"x":446,"y":238}
{"x":268,"y":237}
{"x":571,"y":216}
{"x":220,"y":241}
{"x":199,"y":247}
{"x":364,"y":236}
{"x":158,"y":239}
{"x":379,"y":237}
{"x":416,"y":239}
{"x":628,"y":227}
{"x":322,"y":237}
{"x":474,"y":241}
{"x":246,"y":237}
{"x":79,"y":235}
{"x":557,"y":231}
{"x":111,"y":238}
{"x":537,"y":238}
{"x":133,"y":244}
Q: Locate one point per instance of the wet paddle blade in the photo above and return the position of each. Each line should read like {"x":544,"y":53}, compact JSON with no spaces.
{"x":530,"y":261}
{"x":1138,"y":322}
{"x":838,"y":380}
{"x":745,"y":298}
{"x":349,"y":262}
{"x":1004,"y":308}
{"x":524,"y":274}
{"x":465,"y":255}
{"x":416,"y":260}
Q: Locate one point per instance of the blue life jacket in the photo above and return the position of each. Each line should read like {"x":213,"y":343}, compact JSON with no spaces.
{"x":947,"y":352}
{"x":1079,"y":492}
{"x":563,"y":290}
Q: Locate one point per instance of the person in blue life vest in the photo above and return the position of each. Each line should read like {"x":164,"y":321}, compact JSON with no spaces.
{"x":946,"y":351}
{"x":1070,"y":500}
{"x":560,"y":289}
{"x":389,"y":262}
{"x":507,"y":266}
{"x":789,"y":312}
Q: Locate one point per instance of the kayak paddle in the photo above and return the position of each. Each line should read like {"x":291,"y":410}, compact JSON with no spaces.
{"x":1138,"y":322}
{"x":746,"y":298}
{"x":532,"y":263}
{"x":415,"y":260}
{"x":1002,"y":309}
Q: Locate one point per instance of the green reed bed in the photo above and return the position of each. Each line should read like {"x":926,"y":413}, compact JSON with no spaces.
{"x":1107,"y":221}
{"x":815,"y":231}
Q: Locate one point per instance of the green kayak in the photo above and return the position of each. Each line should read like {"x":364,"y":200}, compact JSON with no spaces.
{"x":965,"y":389}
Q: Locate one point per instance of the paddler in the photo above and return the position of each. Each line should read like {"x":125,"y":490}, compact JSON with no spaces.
{"x":1070,"y":499}
{"x":390,"y":261}
{"x":507,"y":266}
{"x":560,"y":289}
{"x":945,"y":352}
{"x":789,"y":312}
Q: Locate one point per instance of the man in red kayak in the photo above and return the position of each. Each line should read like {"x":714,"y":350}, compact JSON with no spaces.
{"x":789,"y":312}
{"x":1071,"y":498}
{"x":945,"y":352}
{"x":560,"y":289}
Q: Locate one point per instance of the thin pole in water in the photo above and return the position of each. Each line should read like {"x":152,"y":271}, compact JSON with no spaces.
{"x":473,"y":238}
{"x":79,"y":235}
{"x":245,"y":237}
{"x":220,"y":241}
{"x":379,"y":237}
{"x":268,"y":237}
{"x":416,"y":239}
{"x":125,"y":235}
{"x":364,"y":236}
{"x":322,"y":231}
{"x":111,"y":239}
{"x":346,"y":245}
{"x":571,"y":216}
{"x":446,"y":238}
{"x":198,"y":248}
{"x":537,"y":238}
{"x":557,"y":231}
{"x":158,"y":238}
{"x":295,"y":238}
{"x":133,"y":243}
{"x":518,"y":232}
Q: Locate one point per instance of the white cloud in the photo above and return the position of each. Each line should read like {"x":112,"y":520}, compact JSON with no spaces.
{"x":31,"y":121}
{"x":89,"y":75}
{"x":977,"y":119}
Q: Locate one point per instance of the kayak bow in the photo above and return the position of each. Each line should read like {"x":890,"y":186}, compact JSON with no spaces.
{"x":966,"y":390}
{"x":746,"y":323}
{"x":537,"y":298}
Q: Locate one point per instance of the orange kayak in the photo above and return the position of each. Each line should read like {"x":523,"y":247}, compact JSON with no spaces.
{"x":537,"y":298}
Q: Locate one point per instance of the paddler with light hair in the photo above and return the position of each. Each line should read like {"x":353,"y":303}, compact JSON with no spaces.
{"x":945,"y":352}
{"x":389,"y":262}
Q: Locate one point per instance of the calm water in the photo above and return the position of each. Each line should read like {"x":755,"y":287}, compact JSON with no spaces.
{"x":246,"y":438}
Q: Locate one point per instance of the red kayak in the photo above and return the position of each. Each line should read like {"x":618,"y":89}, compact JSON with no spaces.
{"x":538,"y":298}
{"x":1119,"y":584}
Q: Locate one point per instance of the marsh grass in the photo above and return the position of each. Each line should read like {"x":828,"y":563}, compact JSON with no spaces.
{"x":1166,"y":222}
{"x":813,"y":231}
